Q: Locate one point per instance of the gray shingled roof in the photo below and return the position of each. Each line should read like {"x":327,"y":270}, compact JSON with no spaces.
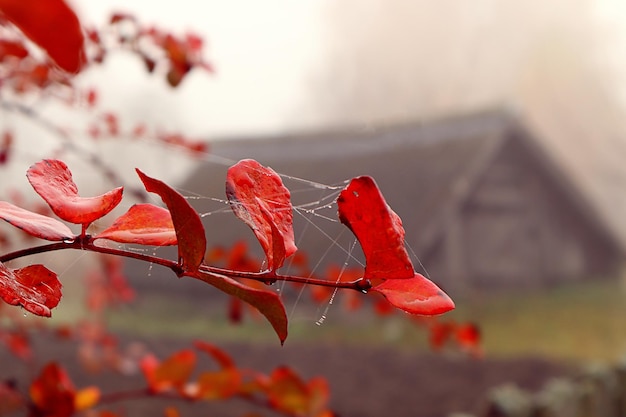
{"x":418,"y":167}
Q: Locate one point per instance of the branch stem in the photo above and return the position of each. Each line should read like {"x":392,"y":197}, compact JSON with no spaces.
{"x":87,"y":243}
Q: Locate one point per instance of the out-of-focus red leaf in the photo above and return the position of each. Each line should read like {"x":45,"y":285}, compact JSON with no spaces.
{"x":6,"y":145}
{"x":287,"y":392}
{"x":187,"y":223}
{"x":120,"y":17}
{"x":11,"y":399}
{"x":235,"y":310}
{"x":258,"y":197}
{"x":319,"y":394}
{"x":222,"y":358}
{"x":383,"y":308}
{"x":86,"y":398}
{"x":52,"y":393}
{"x":52,"y":25}
{"x":10,"y":48}
{"x":468,"y":338}
{"x":91,"y":97}
{"x":219,"y":384}
{"x":267,"y":302}
{"x":19,"y":344}
{"x":34,"y":287}
{"x":172,"y":373}
{"x":143,"y":224}
{"x":112,"y":124}
{"x":52,"y":180}
{"x":417,"y":295}
{"x":171,"y":412}
{"x":35,"y":224}
{"x":440,"y":334}
{"x":362,"y":208}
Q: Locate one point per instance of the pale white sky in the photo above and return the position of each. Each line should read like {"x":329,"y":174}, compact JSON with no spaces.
{"x":267,"y":54}
{"x":262,"y":51}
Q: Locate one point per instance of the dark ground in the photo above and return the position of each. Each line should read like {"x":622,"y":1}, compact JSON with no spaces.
{"x":364,"y":382}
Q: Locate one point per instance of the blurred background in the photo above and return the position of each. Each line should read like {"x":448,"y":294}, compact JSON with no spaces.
{"x":496,"y":129}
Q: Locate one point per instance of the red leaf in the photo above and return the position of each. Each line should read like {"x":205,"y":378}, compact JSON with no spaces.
{"x":53,"y":393}
{"x":52,"y":180}
{"x":34,"y":287}
{"x":143,"y":224}
{"x":216,"y":353}
{"x":172,"y":373}
{"x":53,"y":26}
{"x":187,"y":223}
{"x":218,"y":385}
{"x":258,"y":197}
{"x":19,"y":344}
{"x":235,"y":310}
{"x":12,"y":48}
{"x":468,"y":338}
{"x":362,"y":208}
{"x":440,"y":334}
{"x":287,"y":392}
{"x":11,"y":399}
{"x":35,"y":224}
{"x":268,"y":303}
{"x":417,"y":295}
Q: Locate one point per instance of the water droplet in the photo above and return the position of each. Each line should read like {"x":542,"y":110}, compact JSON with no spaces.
{"x":364,"y":291}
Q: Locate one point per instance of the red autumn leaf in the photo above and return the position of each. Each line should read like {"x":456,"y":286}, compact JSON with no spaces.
{"x":468,"y":338}
{"x":222,"y":358}
{"x":53,"y":26}
{"x":362,"y":208}
{"x":52,"y":393}
{"x":258,"y":197}
{"x":187,"y":223}
{"x":219,"y":384}
{"x":35,"y":224}
{"x":267,"y":302}
{"x":143,"y":224}
{"x":34,"y":287}
{"x":440,"y":333}
{"x":19,"y":344}
{"x":86,"y":398}
{"x":287,"y":392}
{"x":11,"y":399}
{"x":319,"y":394}
{"x":52,"y":180}
{"x":172,"y":373}
{"x":235,"y":310}
{"x":12,"y":48}
{"x":417,"y":295}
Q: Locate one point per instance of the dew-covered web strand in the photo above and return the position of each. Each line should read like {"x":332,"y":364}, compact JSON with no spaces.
{"x":324,"y":314}
{"x":419,"y":262}
{"x":314,"y":212}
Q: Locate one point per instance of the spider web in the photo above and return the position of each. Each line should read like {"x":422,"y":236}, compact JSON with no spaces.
{"x":318,"y":234}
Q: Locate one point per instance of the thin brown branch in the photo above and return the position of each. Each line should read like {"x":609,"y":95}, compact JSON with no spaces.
{"x":87,"y":243}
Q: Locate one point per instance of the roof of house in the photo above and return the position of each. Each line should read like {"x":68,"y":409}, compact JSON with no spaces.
{"x":421,"y":167}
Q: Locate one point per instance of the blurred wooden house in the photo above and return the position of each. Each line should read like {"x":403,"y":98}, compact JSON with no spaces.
{"x":482,"y":203}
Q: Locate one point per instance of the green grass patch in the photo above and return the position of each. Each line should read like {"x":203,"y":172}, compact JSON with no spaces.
{"x":585,"y":321}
